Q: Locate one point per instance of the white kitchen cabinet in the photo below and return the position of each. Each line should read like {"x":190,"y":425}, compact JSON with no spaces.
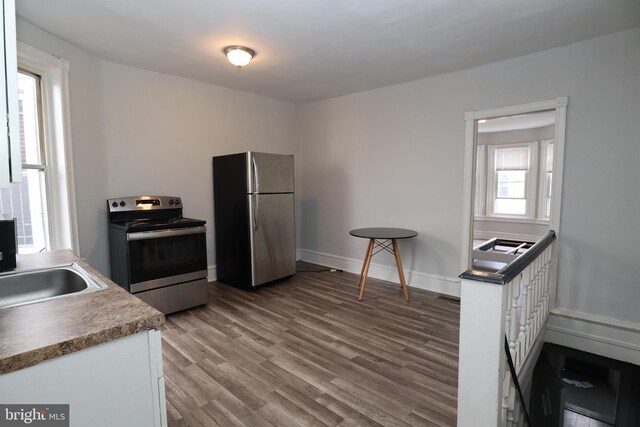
{"x":118,"y":383}
{"x":10,"y":157}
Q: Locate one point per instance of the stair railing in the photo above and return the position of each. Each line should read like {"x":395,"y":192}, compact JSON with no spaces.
{"x":512,"y":302}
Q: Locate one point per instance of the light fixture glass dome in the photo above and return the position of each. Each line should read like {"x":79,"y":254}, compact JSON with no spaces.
{"x":239,"y":55}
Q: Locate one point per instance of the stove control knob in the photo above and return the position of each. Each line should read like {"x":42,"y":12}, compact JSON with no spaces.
{"x":114,"y":204}
{"x":171,"y":201}
{"x":177,"y":201}
{"x":122,"y":203}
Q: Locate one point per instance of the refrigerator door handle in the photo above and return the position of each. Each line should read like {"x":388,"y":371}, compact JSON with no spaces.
{"x":256,"y":179}
{"x":255,"y":207}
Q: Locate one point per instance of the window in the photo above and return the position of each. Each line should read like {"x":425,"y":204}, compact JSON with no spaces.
{"x":27,"y":201}
{"x":518,"y":180}
{"x":511,"y":165}
{"x":42,"y":203}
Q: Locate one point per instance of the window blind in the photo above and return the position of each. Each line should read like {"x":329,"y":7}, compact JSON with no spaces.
{"x":513,"y":158}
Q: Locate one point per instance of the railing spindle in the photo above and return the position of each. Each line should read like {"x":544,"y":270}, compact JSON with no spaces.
{"x":506,"y":392}
{"x":522,"y":336}
{"x":540,"y":285}
{"x":529,"y":307}
{"x":508,"y":312}
{"x":536,"y":291}
{"x":513,"y":327}
{"x":547,"y":278}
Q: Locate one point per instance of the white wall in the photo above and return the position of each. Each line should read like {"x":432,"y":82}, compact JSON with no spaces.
{"x":393,"y":156}
{"x":88,"y":144}
{"x":140,"y":132}
{"x":161,"y":132}
{"x":384,"y":158}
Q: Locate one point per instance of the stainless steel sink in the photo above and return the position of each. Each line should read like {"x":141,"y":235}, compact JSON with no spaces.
{"x":33,"y":286}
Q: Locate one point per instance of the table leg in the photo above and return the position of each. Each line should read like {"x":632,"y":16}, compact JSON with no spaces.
{"x":365,"y":271}
{"x":403,"y":284}
{"x":367,"y":254}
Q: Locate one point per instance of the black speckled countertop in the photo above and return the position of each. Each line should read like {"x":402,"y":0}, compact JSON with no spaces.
{"x":33,"y":333}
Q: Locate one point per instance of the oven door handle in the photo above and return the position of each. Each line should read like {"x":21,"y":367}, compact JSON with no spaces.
{"x":141,"y":235}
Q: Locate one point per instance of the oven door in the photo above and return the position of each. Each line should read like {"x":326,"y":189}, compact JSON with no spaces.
{"x":165,"y":257}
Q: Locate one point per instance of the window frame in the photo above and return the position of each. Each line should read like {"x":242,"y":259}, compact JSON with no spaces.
{"x":42,"y":165}
{"x":43,"y":149}
{"x":56,"y":140}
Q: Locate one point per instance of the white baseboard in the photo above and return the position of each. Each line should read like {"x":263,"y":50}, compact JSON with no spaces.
{"x":485,"y":235}
{"x":415,"y":279}
{"x":212,"y":275}
{"x":614,"y":338}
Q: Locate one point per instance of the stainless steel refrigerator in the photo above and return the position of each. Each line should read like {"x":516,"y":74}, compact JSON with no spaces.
{"x":254,"y":213}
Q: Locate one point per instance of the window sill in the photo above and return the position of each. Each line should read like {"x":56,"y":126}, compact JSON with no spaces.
{"x":512,"y":219}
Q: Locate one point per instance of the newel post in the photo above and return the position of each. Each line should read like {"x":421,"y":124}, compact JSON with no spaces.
{"x":483,"y":308}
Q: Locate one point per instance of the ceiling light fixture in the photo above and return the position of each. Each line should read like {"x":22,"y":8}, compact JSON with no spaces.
{"x":239,"y":55}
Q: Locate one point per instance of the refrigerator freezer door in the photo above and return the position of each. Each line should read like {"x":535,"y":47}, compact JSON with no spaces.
{"x":269,"y":173}
{"x":273,"y":243}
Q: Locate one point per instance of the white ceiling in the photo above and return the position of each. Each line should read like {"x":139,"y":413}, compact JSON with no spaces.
{"x":518,"y":122}
{"x":316,"y":49}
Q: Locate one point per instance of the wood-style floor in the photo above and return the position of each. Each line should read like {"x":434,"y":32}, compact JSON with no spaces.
{"x":306,"y":352}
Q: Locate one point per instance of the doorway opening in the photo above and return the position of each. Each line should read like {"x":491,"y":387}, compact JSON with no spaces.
{"x":513,"y":181}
